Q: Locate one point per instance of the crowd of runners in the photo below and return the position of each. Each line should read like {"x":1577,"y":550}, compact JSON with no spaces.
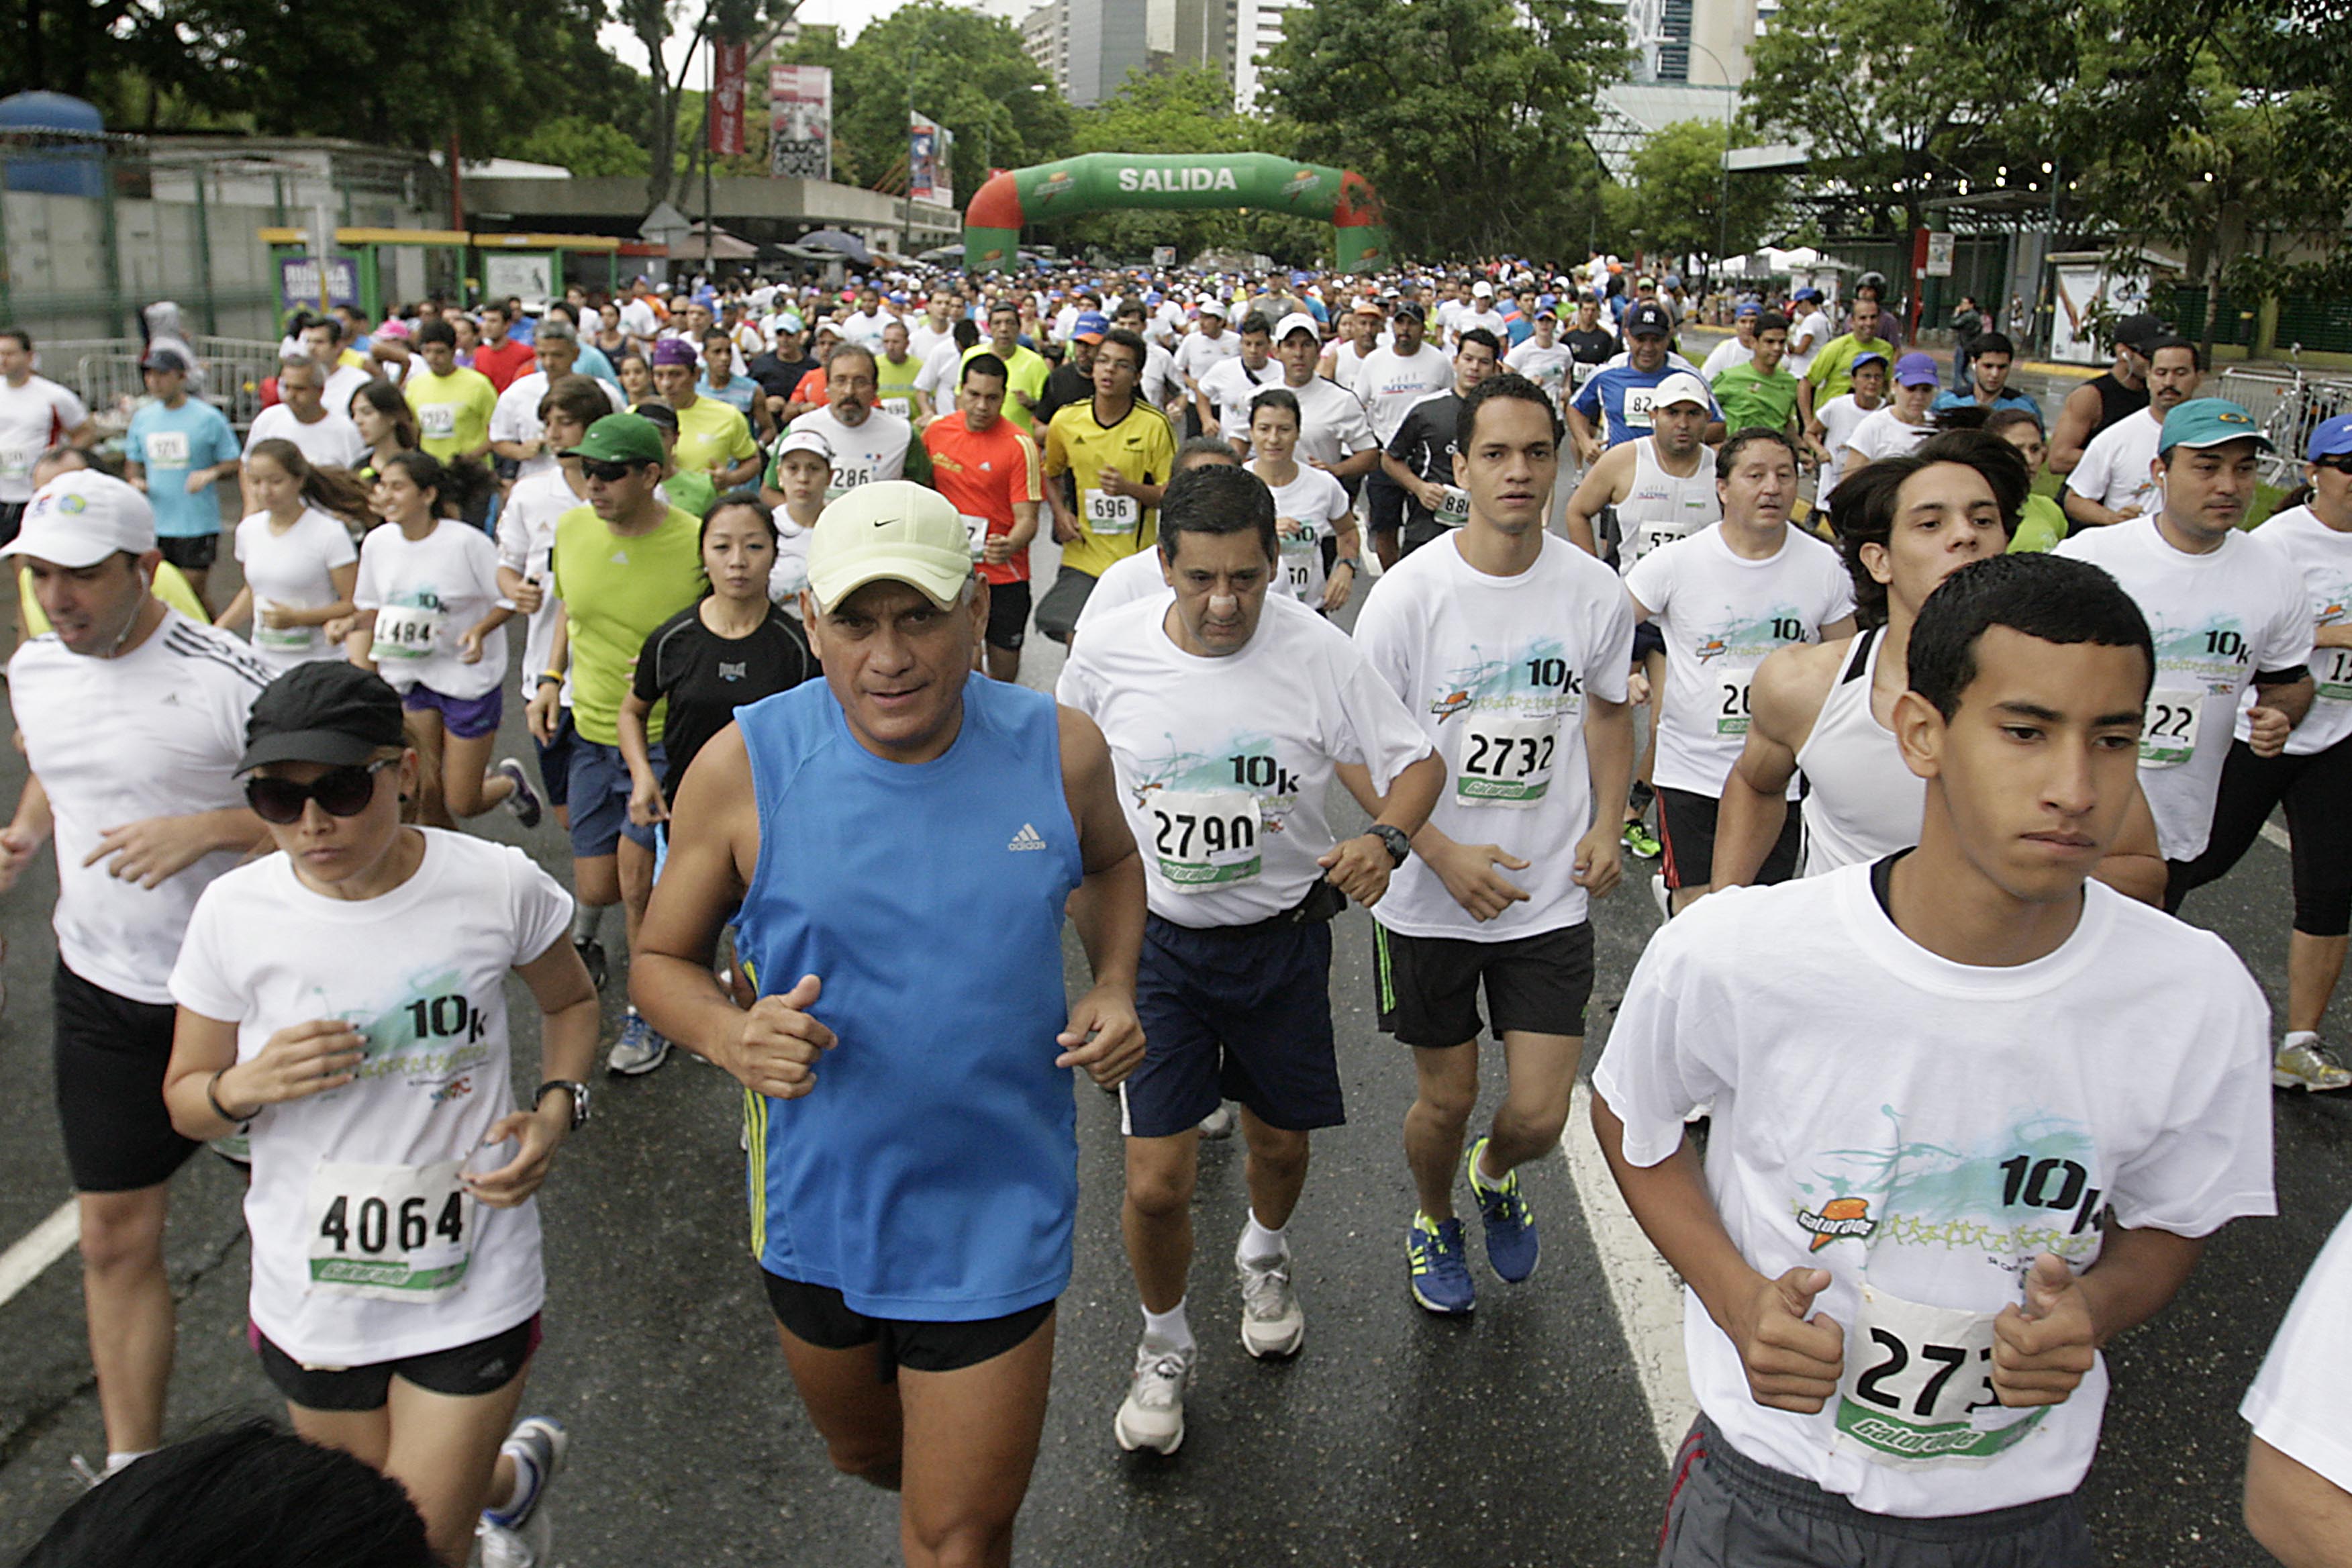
{"x":1920,"y":1088}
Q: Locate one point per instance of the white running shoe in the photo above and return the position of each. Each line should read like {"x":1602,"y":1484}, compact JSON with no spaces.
{"x":1272,"y":1322}
{"x":1219,"y":1123}
{"x":2308,"y":1066}
{"x":1152,"y":1415}
{"x":522,"y":1536}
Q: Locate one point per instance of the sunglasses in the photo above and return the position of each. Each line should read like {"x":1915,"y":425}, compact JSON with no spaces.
{"x":2342,"y":463}
{"x":611,"y":473}
{"x":340,"y":792}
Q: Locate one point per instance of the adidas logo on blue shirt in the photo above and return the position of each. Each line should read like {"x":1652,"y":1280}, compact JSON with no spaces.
{"x":1027,"y":838}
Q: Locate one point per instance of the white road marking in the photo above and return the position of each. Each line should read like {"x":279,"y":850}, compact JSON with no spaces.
{"x":2277,"y":834}
{"x":1647,"y":1294}
{"x":39,"y":1247}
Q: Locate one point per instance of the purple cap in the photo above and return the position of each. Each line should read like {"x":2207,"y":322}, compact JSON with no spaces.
{"x":1916,"y":369}
{"x":676,"y":350}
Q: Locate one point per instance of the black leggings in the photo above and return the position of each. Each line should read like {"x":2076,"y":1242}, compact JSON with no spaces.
{"x":2317,"y":791}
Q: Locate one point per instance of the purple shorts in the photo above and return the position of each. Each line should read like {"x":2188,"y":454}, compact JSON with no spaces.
{"x":466,"y":718}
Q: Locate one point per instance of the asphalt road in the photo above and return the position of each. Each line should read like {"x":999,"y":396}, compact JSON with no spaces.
{"x":1521,"y":1437}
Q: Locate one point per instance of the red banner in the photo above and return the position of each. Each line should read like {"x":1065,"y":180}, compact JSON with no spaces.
{"x":727,"y":67}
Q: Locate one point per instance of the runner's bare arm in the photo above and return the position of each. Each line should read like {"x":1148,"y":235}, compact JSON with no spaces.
{"x":1103,"y":1035}
{"x":713,"y":845}
{"x":2134,"y":864}
{"x":1604,"y":485}
{"x":570,"y":1022}
{"x":1609,"y":746}
{"x":547,"y":696}
{"x":1783,"y":700}
{"x":2072,"y":431}
{"x":1793,"y":1357}
{"x":2301,"y":1516}
{"x":1360,"y":866}
{"x":26,"y":833}
{"x":209,"y":1093}
{"x":2040,"y":1352}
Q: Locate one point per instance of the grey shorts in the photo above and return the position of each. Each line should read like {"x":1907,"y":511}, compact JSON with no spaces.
{"x":1727,"y":1511}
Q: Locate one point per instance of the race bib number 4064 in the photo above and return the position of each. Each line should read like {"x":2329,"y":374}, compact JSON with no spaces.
{"x":390,"y":1233}
{"x":1915,"y":1379}
{"x":1204,"y":839}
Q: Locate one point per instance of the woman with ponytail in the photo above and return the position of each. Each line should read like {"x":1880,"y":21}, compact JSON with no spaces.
{"x":299,"y":560}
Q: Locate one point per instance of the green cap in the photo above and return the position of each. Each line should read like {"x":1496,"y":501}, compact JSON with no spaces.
{"x":619,"y":438}
{"x":2208,"y":421}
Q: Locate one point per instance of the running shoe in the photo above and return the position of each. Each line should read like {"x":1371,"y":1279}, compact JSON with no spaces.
{"x":2308,"y":1066}
{"x":1219,"y":1123}
{"x":1440,"y":1272}
{"x":1640,"y":842}
{"x":521,"y":1536}
{"x":1152,"y":1415}
{"x":1510,"y":1224}
{"x":592,"y":954}
{"x":1272,"y":1322}
{"x":524,"y":801}
{"x":640,"y":1049}
{"x":1663,"y":897}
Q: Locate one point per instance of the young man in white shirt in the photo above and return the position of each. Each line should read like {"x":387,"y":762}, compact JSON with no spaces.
{"x":2115,"y":481}
{"x":1206,"y":346}
{"x":1333,"y":433}
{"x":1227,"y":716}
{"x":1395,"y":378}
{"x":1510,"y":649}
{"x":1722,"y":599}
{"x":2298,"y":1463}
{"x":35,"y":414}
{"x":1811,"y":333}
{"x":1970,"y":1040}
{"x":1221,"y":399}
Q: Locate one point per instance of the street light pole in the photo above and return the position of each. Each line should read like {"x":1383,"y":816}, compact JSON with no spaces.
{"x":905,"y":133}
{"x":1723,"y":165}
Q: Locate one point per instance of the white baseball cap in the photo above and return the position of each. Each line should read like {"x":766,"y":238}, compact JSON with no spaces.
{"x":1212,"y":305}
{"x":802,"y":441}
{"x":1482,"y":290}
{"x":80,"y":518}
{"x":1681,"y":387}
{"x":890,"y":531}
{"x":1297,"y":321}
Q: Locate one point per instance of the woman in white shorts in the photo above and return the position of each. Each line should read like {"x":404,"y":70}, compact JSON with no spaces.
{"x":343,"y":1001}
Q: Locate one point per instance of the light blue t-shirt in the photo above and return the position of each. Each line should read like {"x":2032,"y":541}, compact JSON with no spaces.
{"x":2006,"y":399}
{"x":740,"y":393}
{"x":591,"y":361}
{"x":170,"y":444}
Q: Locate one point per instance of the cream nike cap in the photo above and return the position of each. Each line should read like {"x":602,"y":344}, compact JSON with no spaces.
{"x":890,"y":531}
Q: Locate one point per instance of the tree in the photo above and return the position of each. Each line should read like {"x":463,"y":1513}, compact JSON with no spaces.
{"x":1470,"y":116}
{"x":591,"y":148}
{"x":753,"y":22}
{"x":1678,"y":190}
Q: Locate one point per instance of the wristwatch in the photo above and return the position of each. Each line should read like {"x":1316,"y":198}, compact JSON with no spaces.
{"x":579,"y":1093}
{"x":1399,"y":845}
{"x":1351,"y":562}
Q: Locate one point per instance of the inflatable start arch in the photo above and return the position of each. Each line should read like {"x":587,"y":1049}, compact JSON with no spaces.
{"x":1110,"y":182}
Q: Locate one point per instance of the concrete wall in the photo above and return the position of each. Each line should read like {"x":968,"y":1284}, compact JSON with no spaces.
{"x":59,"y":284}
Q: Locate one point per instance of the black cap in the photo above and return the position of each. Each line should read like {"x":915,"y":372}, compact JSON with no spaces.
{"x":657,"y":413}
{"x":2140,"y":332}
{"x":323,"y":712}
{"x":1413,"y":308}
{"x":1644,"y":319}
{"x":163,"y":356}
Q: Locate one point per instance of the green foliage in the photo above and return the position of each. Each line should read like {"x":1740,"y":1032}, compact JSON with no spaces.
{"x":591,"y":148}
{"x":1677,"y":189}
{"x":1469,"y":115}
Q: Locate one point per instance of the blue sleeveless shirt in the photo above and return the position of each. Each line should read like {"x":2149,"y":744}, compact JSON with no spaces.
{"x":932,"y":1174}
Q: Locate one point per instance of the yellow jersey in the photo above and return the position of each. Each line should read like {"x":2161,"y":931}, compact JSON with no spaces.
{"x":1142,"y":446}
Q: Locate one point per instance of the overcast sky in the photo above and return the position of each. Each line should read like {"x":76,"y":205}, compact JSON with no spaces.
{"x":849,"y":15}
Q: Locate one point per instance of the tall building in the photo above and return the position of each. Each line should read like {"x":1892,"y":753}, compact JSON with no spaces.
{"x":1701,"y":42}
{"x":1088,"y":47}
{"x":1257,"y":27}
{"x":1045,"y":35}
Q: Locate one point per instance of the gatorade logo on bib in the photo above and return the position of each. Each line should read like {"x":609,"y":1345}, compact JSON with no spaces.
{"x":1641,"y":404}
{"x":165,"y":449}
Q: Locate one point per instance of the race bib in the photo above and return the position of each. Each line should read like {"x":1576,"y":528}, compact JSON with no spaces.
{"x":390,"y":1233}
{"x":2168,"y":731}
{"x":1730,"y":699}
{"x":1204,"y":839}
{"x":1302,"y":562}
{"x":1112,"y":514}
{"x":1506,"y":761}
{"x":165,"y":449}
{"x":975,"y":533}
{"x":2335,"y":672}
{"x":437,"y":420}
{"x":1649,"y":535}
{"x":286,"y":640}
{"x":1454,"y":510}
{"x":405,"y":632}
{"x":1639,"y":403}
{"x":900,"y":406}
{"x":1914,"y":1378}
{"x":16,"y":462}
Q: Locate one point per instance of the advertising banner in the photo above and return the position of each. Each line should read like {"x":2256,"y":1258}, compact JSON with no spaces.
{"x":799,"y":121}
{"x":929,"y":144}
{"x":727,"y":63}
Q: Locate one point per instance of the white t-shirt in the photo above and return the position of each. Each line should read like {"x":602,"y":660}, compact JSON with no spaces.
{"x":1496,"y":671}
{"x":291,"y":569}
{"x":1390,"y":384}
{"x":2298,"y":1399}
{"x":34,"y":417}
{"x":923,"y":339}
{"x":341,"y":383}
{"x":2323,"y":557}
{"x":937,"y":380}
{"x":526,"y":546}
{"x":1906,"y":1123}
{"x":789,"y":577}
{"x":515,"y":417}
{"x":637,"y":318}
{"x":1489,"y":317}
{"x":156,"y":733}
{"x":428,"y":593}
{"x":331,"y":441}
{"x":2116,"y":467}
{"x":1316,"y":501}
{"x":1197,"y":351}
{"x":1720,"y":614}
{"x":1123,"y":581}
{"x":1224,"y":764}
{"x":857,"y":327}
{"x":1229,"y":385}
{"x":1332,"y":423}
{"x":1841,"y":416}
{"x":1159,"y":381}
{"x":421,"y":971}
{"x":1815,"y":331}
{"x":2218,"y":620}
{"x":1547,"y":367}
{"x":875,"y":449}
{"x":1723,"y":356}
{"x":1883,"y":434}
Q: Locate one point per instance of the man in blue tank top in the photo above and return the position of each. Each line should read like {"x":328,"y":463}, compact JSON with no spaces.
{"x":895,"y":846}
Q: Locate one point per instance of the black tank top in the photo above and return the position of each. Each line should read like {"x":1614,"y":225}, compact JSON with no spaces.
{"x":2116,"y":401}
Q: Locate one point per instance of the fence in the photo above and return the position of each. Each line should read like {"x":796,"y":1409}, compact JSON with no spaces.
{"x":104,"y":371}
{"x":2288,"y":406}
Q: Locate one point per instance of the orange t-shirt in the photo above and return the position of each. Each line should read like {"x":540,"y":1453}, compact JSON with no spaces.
{"x":985,"y":474}
{"x":811,"y":388}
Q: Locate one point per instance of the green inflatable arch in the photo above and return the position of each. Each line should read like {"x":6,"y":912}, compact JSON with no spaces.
{"x":1110,"y":182}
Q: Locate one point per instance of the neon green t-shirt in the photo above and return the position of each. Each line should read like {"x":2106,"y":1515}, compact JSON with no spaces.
{"x":2041,"y":525}
{"x":616,"y":589}
{"x":894,"y":384}
{"x":1749,"y":398}
{"x":712,"y":435}
{"x":453,"y":411}
{"x":1831,"y":371}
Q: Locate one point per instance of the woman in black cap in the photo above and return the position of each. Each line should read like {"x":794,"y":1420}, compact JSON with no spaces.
{"x":344,"y":1002}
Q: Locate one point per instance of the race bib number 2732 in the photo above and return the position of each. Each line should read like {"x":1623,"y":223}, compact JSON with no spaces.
{"x":1915,"y":1380}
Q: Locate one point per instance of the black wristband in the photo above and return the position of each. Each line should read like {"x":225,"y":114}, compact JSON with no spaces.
{"x":212,"y":1098}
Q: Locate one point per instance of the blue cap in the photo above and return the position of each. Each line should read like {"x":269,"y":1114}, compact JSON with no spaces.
{"x":1807,"y":294}
{"x":2330,"y":438}
{"x":1916,"y":370}
{"x":1089,"y":327}
{"x":897,"y":295}
{"x":1670,"y":281}
{"x":2208,"y":421}
{"x":1749,"y":308}
{"x":1153,"y":298}
{"x":1867,"y":356}
{"x":1298,"y":278}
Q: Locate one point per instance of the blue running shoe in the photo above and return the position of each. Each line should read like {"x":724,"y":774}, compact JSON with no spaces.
{"x":1510,"y":1224}
{"x":1441,"y":1270}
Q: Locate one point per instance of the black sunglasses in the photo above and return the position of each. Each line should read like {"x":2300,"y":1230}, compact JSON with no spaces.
{"x":340,"y":792}
{"x":2342,"y":464}
{"x":611,"y":473}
